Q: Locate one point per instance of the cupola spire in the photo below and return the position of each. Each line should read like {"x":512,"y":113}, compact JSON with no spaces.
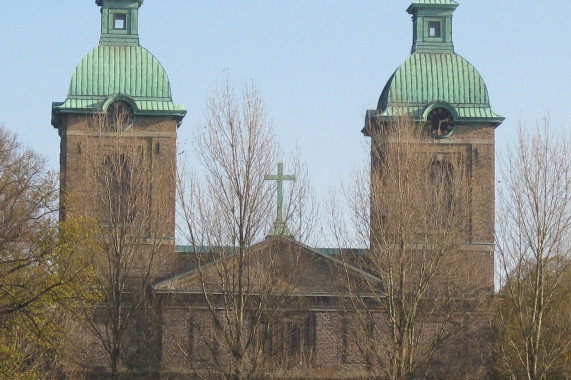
{"x":432,"y":26}
{"x":119,"y":22}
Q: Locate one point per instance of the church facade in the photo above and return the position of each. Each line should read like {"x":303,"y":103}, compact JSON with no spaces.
{"x":118,"y":128}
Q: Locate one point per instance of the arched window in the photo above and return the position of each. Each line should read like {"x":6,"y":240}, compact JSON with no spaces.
{"x":116,"y":180}
{"x":120,"y":115}
{"x":440,"y":185}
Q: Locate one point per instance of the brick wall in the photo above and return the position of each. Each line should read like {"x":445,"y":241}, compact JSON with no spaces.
{"x":84,"y":147}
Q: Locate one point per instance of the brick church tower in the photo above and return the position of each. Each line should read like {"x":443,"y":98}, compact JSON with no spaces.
{"x":443,"y":96}
{"x":118,"y":129}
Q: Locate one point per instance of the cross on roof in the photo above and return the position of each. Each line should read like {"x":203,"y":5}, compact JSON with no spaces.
{"x":279,"y":225}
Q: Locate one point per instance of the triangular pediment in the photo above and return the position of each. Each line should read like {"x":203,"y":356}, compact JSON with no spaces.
{"x":276,"y":263}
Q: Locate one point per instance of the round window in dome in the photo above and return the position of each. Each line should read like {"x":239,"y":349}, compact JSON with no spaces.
{"x":120,"y":115}
{"x":440,"y":123}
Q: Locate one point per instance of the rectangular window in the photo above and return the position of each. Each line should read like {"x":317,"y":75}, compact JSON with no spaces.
{"x":191,"y":337}
{"x":293,"y":338}
{"x":116,"y":182}
{"x":344,"y":340}
{"x":433,"y":29}
{"x":310,"y":335}
{"x":120,"y":21}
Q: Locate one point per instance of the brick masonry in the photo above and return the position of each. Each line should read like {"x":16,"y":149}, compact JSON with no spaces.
{"x":183,"y":326}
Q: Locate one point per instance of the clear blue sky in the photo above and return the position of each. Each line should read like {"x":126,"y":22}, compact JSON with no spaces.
{"x":319,"y":63}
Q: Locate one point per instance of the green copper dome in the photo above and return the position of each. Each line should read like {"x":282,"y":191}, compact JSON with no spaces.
{"x":119,"y":68}
{"x":427,"y":78}
{"x":434,"y":75}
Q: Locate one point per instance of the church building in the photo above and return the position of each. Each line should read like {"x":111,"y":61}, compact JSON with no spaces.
{"x":168,"y":311}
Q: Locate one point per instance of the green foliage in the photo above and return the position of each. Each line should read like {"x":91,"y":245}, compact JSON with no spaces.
{"x":513,"y":322}
{"x":44,"y":269}
{"x":533,"y":246}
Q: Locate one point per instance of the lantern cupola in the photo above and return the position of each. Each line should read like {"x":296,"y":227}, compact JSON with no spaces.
{"x":432,"y":25}
{"x":119,"y":22}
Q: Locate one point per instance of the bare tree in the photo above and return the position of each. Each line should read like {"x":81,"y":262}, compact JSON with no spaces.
{"x":242,"y":285}
{"x":533,"y":323}
{"x":411,"y":210}
{"x":128,"y":194}
{"x":42,"y":265}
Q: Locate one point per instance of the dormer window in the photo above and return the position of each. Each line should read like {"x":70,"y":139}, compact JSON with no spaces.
{"x":120,"y":21}
{"x":434,"y":29}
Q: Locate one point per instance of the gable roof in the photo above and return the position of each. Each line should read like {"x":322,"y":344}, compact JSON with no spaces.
{"x":316,"y":276}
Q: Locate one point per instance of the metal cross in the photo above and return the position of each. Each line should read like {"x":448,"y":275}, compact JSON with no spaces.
{"x":280,"y":178}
